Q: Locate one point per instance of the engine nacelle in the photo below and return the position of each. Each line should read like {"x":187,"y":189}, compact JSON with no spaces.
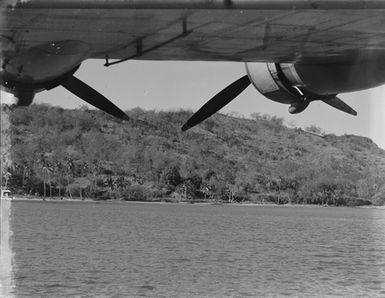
{"x":42,"y":67}
{"x":295,"y":83}
{"x":270,"y":80}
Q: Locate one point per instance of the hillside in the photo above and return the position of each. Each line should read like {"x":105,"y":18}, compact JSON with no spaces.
{"x":86,"y":153}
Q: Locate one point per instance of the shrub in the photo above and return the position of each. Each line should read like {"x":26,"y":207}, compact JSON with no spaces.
{"x":135,"y":193}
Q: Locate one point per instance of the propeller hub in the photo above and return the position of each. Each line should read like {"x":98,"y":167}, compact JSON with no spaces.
{"x":24,"y":97}
{"x":298,"y":107}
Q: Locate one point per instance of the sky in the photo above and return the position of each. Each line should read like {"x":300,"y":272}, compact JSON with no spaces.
{"x":165,"y":85}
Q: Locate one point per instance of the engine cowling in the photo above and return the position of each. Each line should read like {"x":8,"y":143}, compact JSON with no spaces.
{"x":270,"y":80}
{"x":39,"y":68}
{"x":299,"y":84}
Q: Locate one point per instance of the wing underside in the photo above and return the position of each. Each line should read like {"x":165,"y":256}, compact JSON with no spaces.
{"x":274,"y":31}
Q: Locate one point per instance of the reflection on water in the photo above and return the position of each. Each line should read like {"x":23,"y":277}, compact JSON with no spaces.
{"x":122,"y":249}
{"x":6,"y":281}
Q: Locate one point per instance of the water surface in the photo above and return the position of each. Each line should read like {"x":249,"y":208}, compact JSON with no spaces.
{"x":127,"y":249}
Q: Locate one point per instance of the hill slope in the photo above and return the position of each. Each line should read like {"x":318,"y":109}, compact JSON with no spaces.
{"x":87,"y":153}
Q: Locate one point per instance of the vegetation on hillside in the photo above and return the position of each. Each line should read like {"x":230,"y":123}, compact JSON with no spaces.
{"x":86,"y":153}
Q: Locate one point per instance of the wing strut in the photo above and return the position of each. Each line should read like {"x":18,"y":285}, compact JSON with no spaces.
{"x":139,"y":45}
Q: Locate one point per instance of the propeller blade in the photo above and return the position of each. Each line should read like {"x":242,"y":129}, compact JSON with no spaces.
{"x":337,"y":103}
{"x":218,"y":102}
{"x":90,"y":95}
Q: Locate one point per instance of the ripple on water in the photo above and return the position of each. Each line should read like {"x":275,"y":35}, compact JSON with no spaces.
{"x":153,"y":250}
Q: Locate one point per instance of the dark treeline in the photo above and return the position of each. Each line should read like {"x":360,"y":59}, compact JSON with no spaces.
{"x":88,"y":154}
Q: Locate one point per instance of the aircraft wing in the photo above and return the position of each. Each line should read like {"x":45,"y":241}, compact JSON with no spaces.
{"x":229,"y":30}
{"x":313,"y":50}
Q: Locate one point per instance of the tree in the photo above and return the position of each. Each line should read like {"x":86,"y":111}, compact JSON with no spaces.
{"x":171,"y":177}
{"x":314,"y":129}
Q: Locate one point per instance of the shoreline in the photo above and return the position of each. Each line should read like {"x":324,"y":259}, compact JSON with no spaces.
{"x":199,"y":203}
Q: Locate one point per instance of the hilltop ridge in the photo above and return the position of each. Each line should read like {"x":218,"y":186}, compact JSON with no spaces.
{"x":86,"y":153}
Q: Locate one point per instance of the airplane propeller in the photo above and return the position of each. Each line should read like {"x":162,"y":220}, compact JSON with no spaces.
{"x":218,"y":102}
{"x":332,"y":101}
{"x":233,"y":90}
{"x":90,"y":95}
{"x":338,"y":104}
